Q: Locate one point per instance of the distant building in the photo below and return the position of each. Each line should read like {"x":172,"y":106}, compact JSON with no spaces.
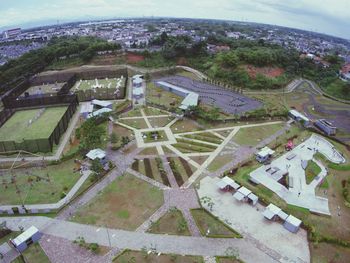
{"x":326,"y":127}
{"x":24,"y":240}
{"x":344,"y":73}
{"x":264,"y":154}
{"x":99,"y":112}
{"x":86,"y":110}
{"x":297,"y":116}
{"x":12,"y":33}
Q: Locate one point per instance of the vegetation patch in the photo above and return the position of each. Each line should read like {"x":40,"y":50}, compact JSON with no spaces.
{"x":311,"y":171}
{"x":211,"y":226}
{"x":142,"y":256}
{"x":128,"y":194}
{"x":172,"y":223}
{"x":39,"y":185}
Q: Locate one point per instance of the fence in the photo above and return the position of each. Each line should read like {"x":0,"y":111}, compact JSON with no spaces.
{"x":43,"y":144}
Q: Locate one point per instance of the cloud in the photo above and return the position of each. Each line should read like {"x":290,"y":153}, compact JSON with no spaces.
{"x":327,"y":16}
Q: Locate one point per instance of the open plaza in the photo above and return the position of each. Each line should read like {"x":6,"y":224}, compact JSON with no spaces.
{"x":161,"y":182}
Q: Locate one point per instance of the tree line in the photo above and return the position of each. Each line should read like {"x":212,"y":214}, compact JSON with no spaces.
{"x":36,"y":60}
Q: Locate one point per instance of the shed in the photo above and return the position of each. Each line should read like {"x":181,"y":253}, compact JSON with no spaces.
{"x":253,"y":199}
{"x":292,"y":224}
{"x":28,"y":237}
{"x":227,"y":183}
{"x":86,"y":109}
{"x":242,"y":193}
{"x":97,"y":154}
{"x":297,"y":116}
{"x":271,"y":211}
{"x":264,"y":154}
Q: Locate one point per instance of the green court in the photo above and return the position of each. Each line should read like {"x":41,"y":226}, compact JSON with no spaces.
{"x":31,"y":124}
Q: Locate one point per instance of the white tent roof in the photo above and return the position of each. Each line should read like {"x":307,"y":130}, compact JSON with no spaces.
{"x":99,"y":112}
{"x":297,"y":114}
{"x":101,"y":103}
{"x":96,"y":153}
{"x":87,"y":108}
{"x":221,"y":184}
{"x":253,"y":197}
{"x":25,"y":236}
{"x":228,"y":181}
{"x":293,"y":221}
{"x":282,"y":215}
{"x":265,"y":152}
{"x":137,"y":91}
{"x":190,"y":100}
{"x":268,"y":214}
{"x":244,"y":191}
{"x":239,"y":196}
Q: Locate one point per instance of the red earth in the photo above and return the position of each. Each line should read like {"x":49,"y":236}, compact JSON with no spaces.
{"x":134,"y":58}
{"x":270,"y":72}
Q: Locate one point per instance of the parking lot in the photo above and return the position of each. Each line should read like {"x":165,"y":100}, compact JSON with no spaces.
{"x":228,"y":101}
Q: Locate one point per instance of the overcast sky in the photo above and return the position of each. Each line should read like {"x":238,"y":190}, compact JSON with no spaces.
{"x":324,"y":16}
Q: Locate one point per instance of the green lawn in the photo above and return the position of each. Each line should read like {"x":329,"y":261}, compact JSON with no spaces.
{"x":125,"y":203}
{"x":311,"y":171}
{"x":33,"y":184}
{"x":18,"y":128}
{"x":34,"y":254}
{"x":207,"y":222}
{"x":135,"y":123}
{"x":129,"y":256}
{"x":172,"y":223}
{"x":252,"y":136}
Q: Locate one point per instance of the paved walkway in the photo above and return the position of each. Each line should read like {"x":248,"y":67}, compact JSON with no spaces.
{"x":122,"y":239}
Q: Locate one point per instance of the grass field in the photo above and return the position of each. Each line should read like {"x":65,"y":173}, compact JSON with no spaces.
{"x":38,"y":185}
{"x":18,"y":128}
{"x":172,"y":223}
{"x":125,"y":203}
{"x":135,"y":123}
{"x":252,"y":136}
{"x":141,"y":256}
{"x":311,"y":171}
{"x":210,"y":226}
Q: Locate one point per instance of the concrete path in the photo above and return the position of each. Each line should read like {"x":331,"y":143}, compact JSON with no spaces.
{"x":300,"y":193}
{"x":141,"y":117}
{"x":122,"y":239}
{"x":211,"y":157}
{"x":145,"y":119}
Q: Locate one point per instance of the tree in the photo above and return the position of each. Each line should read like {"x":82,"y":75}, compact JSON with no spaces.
{"x":96,"y":166}
{"x":114,"y":137}
{"x":90,"y":134}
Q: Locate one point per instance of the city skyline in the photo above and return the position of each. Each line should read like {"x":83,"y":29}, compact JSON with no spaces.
{"x":329,"y":17}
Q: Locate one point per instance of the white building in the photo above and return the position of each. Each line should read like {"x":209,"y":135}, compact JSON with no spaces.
{"x":264,"y":154}
{"x":97,"y":154}
{"x":28,"y":237}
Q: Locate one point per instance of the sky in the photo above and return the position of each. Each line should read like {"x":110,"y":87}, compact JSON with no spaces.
{"x":324,"y":16}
